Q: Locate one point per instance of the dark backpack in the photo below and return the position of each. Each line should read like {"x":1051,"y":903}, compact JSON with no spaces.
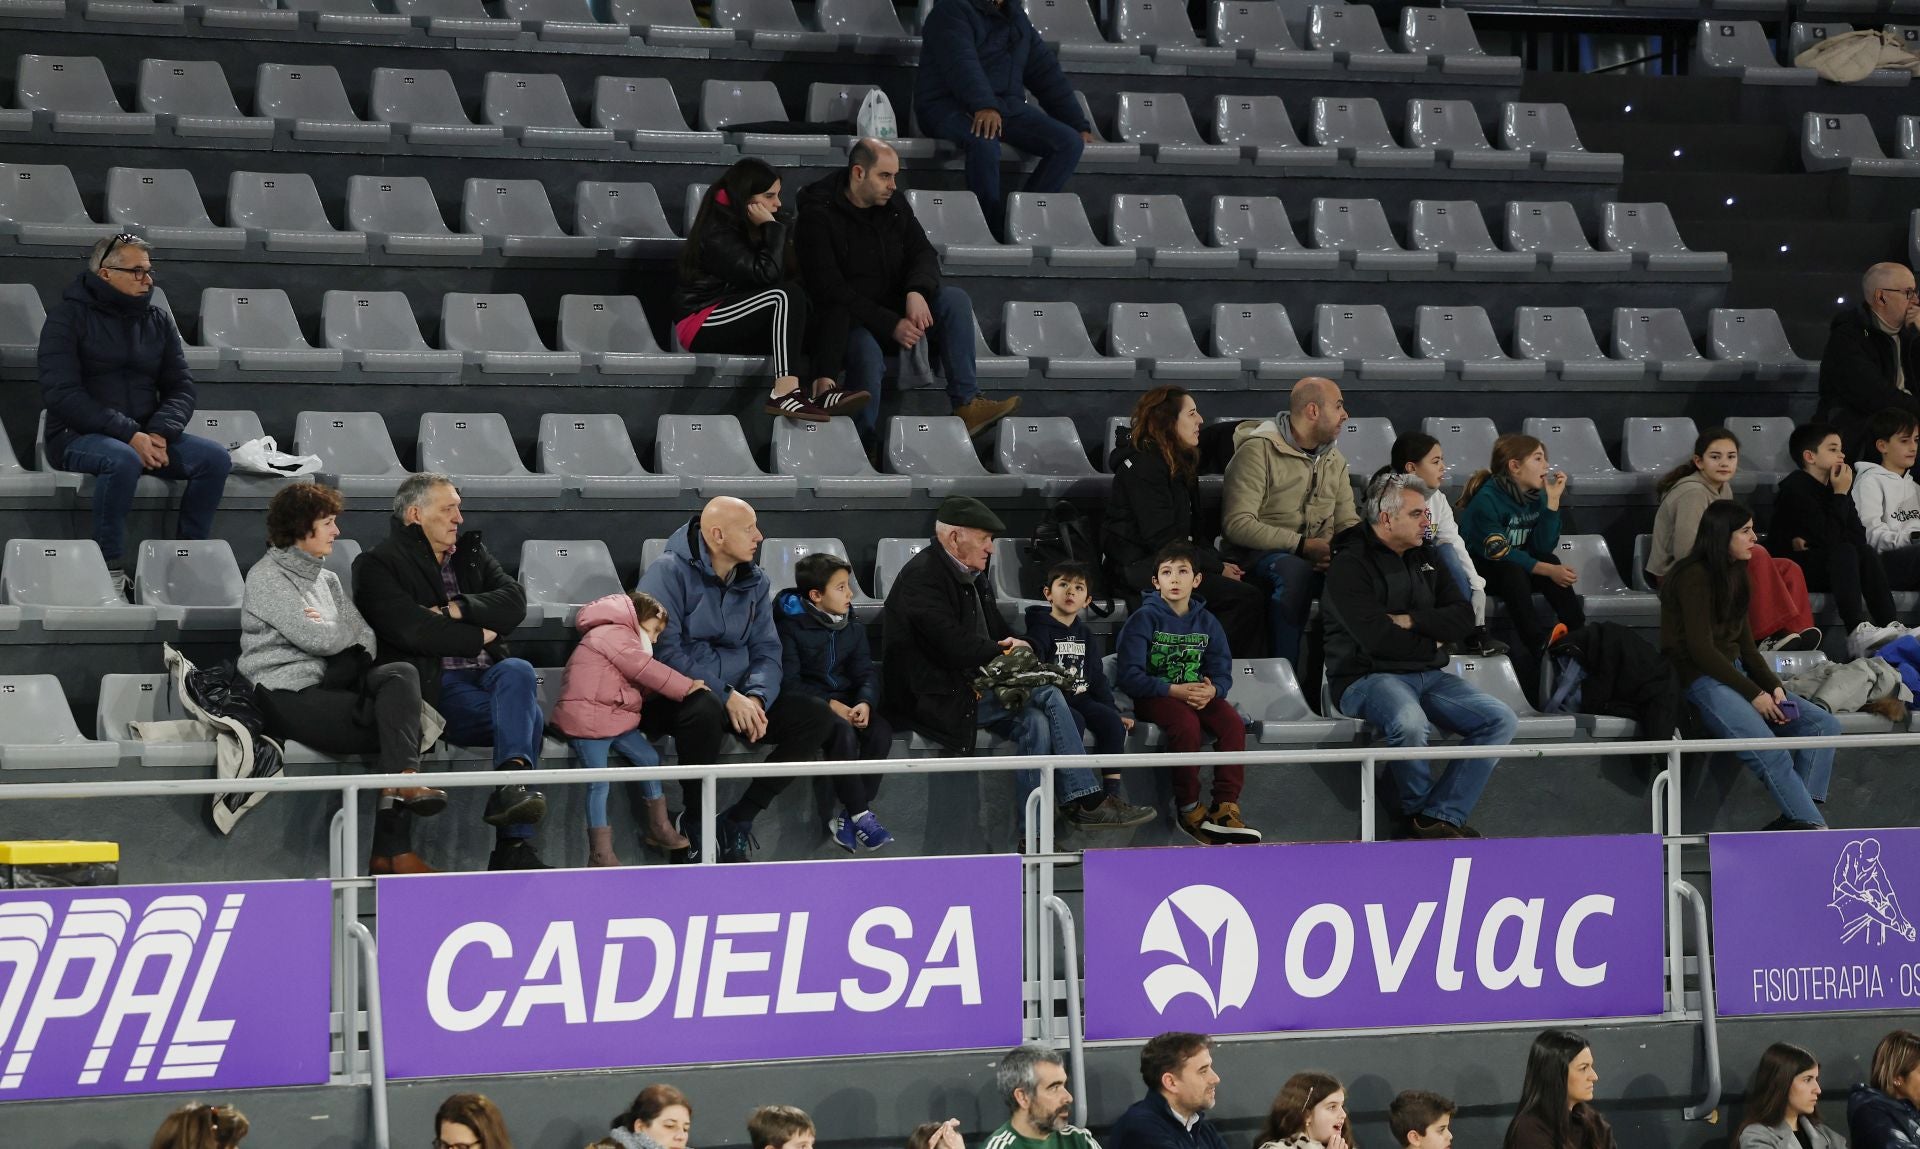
{"x":1068,"y":535}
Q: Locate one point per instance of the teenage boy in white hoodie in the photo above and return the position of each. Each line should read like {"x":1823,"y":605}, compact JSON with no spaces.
{"x":1888,"y":499}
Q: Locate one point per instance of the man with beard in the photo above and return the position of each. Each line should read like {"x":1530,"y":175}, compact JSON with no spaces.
{"x":1033,"y":1079}
{"x":1181,"y":1089}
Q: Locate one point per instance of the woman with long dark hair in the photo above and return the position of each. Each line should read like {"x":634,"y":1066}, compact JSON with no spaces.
{"x":1556,"y":1098}
{"x":201,"y":1126}
{"x":1156,"y":501}
{"x":470,"y":1121}
{"x":1783,"y":1099}
{"x":740,"y":291}
{"x":660,"y":1117}
{"x":1883,"y":1113}
{"x":1728,"y":682}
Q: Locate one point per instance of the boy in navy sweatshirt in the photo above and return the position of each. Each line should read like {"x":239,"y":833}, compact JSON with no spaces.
{"x":1175,"y":665}
{"x":1058,"y":635}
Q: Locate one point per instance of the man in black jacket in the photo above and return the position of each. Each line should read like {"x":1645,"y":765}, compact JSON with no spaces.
{"x":1388,"y":607}
{"x":1181,"y":1088}
{"x":875,"y":284}
{"x":1872,"y":360}
{"x":436,"y":599}
{"x":942,"y":626}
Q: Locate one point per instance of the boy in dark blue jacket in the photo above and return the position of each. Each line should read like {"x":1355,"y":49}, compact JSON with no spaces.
{"x":1058,"y":635}
{"x":824,"y":653}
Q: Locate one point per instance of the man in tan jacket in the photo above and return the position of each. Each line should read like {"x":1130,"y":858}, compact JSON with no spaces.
{"x":1286,"y":495}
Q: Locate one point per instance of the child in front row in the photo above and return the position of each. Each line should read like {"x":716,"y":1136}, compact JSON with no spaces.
{"x":1175,"y":665}
{"x":1058,"y":635}
{"x":608,"y":676}
{"x":780,"y":1127}
{"x":825,"y":653}
{"x":1421,"y":1120}
{"x":1816,"y":525}
{"x":1887,"y":497}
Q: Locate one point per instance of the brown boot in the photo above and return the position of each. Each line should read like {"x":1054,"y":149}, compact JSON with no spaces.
{"x":980,"y":412}
{"x":407,"y":863}
{"x":600,"y":846}
{"x":660,"y":833}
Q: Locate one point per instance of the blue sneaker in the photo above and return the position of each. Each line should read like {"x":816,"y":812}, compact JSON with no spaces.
{"x":736,"y":840}
{"x":841,"y":829}
{"x":868,"y":831}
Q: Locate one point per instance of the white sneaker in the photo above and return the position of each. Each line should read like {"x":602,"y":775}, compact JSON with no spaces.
{"x":121,"y":582}
{"x":1867,"y":638}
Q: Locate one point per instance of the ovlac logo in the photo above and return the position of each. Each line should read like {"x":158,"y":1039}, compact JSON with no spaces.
{"x":1212,"y":935}
{"x":1863,"y":894}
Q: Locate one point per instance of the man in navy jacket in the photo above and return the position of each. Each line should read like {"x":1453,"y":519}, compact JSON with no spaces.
{"x":1181,"y":1082}
{"x":978,"y":60}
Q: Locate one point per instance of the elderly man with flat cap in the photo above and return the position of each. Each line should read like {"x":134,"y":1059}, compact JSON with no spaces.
{"x":941,"y":626}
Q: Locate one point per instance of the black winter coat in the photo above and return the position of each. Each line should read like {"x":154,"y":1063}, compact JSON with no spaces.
{"x":864,"y":260}
{"x":1365,"y":583}
{"x":1857,"y":372}
{"x":933,"y":625}
{"x":734,"y":261}
{"x":1149,"y":1123}
{"x":1148,"y":509}
{"x":1806,"y":508}
{"x":978,"y":55}
{"x":111,"y":364}
{"x":819,"y":660}
{"x":397,"y":583}
{"x":1627,"y":677}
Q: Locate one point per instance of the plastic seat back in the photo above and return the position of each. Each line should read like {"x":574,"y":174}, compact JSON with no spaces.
{"x":1645,"y":227}
{"x":1046,"y":330}
{"x":620,"y":210}
{"x":724,"y":102}
{"x":951,"y":217}
{"x":37,"y":729}
{"x":569,"y":572}
{"x":252,"y":318}
{"x":1352,"y":225}
{"x":815,"y":449}
{"x":1254,"y":331}
{"x":348,"y":443}
{"x":416,"y":96}
{"x":199,"y":573}
{"x":1065,"y":22}
{"x":1463,"y":333}
{"x":1040,"y":445}
{"x":1573,"y":444}
{"x":1557,"y":333}
{"x":931,"y":445}
{"x":1257,"y":223}
{"x":1360,"y":331}
{"x":1346,"y":28}
{"x":1439,"y":31}
{"x":1155,"y":117}
{"x":1159,"y":22}
{"x":1056,"y":219}
{"x":636,"y":103}
{"x":1539,"y":128}
{"x":889,"y":556}
{"x":508,"y":207}
{"x":528,"y":100}
{"x":44,"y":194}
{"x":757,"y":15}
{"x":596,"y":445}
{"x":1151,"y":331}
{"x":21,"y":316}
{"x":227,"y":428}
{"x":1367,"y":444}
{"x":186,"y":88}
{"x":468,"y":443}
{"x":470,"y":322}
{"x":275,"y":201}
{"x":1545,"y":227}
{"x":702,"y":445}
{"x":155,"y":197}
{"x":615,"y":323}
{"x":1654,"y":446}
{"x":301,"y":92}
{"x":1448,"y":225}
{"x":65,"y":84}
{"x":1763,"y":442}
{"x":1350,"y":122}
{"x":1155,"y":221}
{"x":394,"y":205}
{"x":1466,"y":443}
{"x":1589,"y":555}
{"x":1445,"y":124}
{"x":57,"y":573}
{"x":1749,"y":334}
{"x":369,"y":321}
{"x":1253,"y":121}
{"x":857,"y":18}
{"x":1652,"y":333}
{"x":1257,"y":25}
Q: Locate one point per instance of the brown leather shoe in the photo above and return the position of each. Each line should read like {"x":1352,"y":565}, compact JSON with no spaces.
{"x":407,"y":863}
{"x":980,"y":412}
{"x":423,"y":801}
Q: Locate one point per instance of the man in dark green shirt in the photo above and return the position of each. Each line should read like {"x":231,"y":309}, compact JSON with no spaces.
{"x":1033,"y":1079}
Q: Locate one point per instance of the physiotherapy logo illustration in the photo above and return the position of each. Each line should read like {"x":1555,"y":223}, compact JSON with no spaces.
{"x":1863,"y":893}
{"x":1210,"y":932}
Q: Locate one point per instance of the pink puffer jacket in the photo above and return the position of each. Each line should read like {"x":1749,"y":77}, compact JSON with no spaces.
{"x":610,"y":672}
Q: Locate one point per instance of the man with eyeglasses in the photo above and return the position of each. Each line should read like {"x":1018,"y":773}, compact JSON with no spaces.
{"x":114,"y":380}
{"x":1872,"y":360}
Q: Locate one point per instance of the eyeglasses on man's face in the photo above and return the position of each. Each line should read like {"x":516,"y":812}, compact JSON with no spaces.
{"x":1912,"y":293}
{"x":145,"y":273}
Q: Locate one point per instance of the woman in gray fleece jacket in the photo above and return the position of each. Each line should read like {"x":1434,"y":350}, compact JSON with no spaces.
{"x":308,"y":653}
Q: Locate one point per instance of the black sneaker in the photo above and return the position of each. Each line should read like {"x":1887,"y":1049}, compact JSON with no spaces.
{"x":737,"y":842}
{"x":1110,"y":814}
{"x":515,"y":854}
{"x":1480,"y":644}
{"x":514,"y":805}
{"x":1785,"y":823}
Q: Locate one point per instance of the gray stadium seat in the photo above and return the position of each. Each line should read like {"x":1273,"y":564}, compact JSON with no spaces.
{"x":565,"y":22}
{"x":476,"y":448}
{"x":990,"y":364}
{"x":889,"y":556}
{"x":1763,"y":446}
{"x":1446,"y":37}
{"x":534,"y":108}
{"x":772,"y":26}
{"x":257,"y":19}
{"x":1659,"y":337}
{"x":1647,"y":230}
{"x":21,"y":317}
{"x":1353,"y":31}
{"x":497,"y":332}
{"x":1357,"y":127}
{"x":195,"y":584}
{"x":425,"y":106}
{"x":711,"y":456}
{"x":1055,"y":225}
{"x":958,"y":229}
{"x":1362,"y":335}
{"x":75,"y":91}
{"x":840,"y":103}
{"x":1907,"y":136}
{"x":355,"y":17}
{"x":17,"y":481}
{"x":1463,"y":339}
{"x":1161,"y":28}
{"x":40,"y":203}
{"x":651,"y":551}
{"x":1495,"y":676}
{"x":1268,"y":696}
{"x":1158,"y":228}
{"x":1359,"y":227}
{"x":312,"y":102}
{"x":1011,"y":574}
{"x":458,"y":19}
{"x":1457,"y":232}
{"x":282,"y":210}
{"x":1466,"y":443}
{"x":1261,"y":128}
{"x":1257,"y":30}
{"x":1157,"y":335}
{"x":37,"y":730}
{"x":561,"y":576}
{"x":1162,"y":124}
{"x":230,"y":428}
{"x":1102,"y":150}
{"x":873,"y":27}
{"x":1546,"y":130}
{"x":1602,"y":592}
{"x":1653,"y":446}
{"x":129,"y":698}
{"x":1553,"y":230}
{"x":778,"y":557}
{"x":594,"y":456}
{"x":611,"y":333}
{"x":626,"y":218}
{"x":724,"y":102}
{"x":1755,"y":339}
{"x":1068,"y":26}
{"x":164,"y":204}
{"x":1833,"y":142}
{"x":1367,"y":444}
{"x":936,"y":453}
{"x":63,"y":585}
{"x":1257,"y":226}
{"x":199,"y":356}
{"x":1452,"y":128}
{"x":1561,"y":337}
{"x":1789,"y":663}
{"x":193,"y":98}
{"x":1262,"y":337}
{"x":400,"y":214}
{"x":260,"y":327}
{"x":1642,"y":547}
{"x":1573,"y":444}
{"x":1802,"y":36}
{"x":1055,"y":338}
{"x":669,"y":24}
{"x":829,"y":459}
{"x":517,"y":214}
{"x":354,"y":448}
{"x":1739,"y":48}
{"x":644,"y":112}
{"x":1047,"y":452}
{"x":376,"y":329}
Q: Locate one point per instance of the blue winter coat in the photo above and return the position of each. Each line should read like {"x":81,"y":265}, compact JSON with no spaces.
{"x":719,"y":632}
{"x":822,"y":661}
{"x":1073,"y":649}
{"x":977,"y":55}
{"x":111,"y":364}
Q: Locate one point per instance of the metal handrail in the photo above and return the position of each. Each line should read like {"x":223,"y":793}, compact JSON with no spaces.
{"x":1709,"y":1105}
{"x":1076,"y":1012}
{"x":376,"y":1036}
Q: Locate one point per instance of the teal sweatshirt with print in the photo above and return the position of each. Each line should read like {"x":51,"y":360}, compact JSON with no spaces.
{"x":1500,"y":525}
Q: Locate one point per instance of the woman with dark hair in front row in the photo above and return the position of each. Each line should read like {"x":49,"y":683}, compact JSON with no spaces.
{"x":1556,"y":1098}
{"x":200,"y":1126}
{"x":1730,"y":685}
{"x":740,"y":293}
{"x":660,"y":1117}
{"x":1783,"y":1099}
{"x":1882,"y":1114}
{"x":470,"y":1121}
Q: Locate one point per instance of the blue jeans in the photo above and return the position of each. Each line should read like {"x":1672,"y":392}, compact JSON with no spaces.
{"x":497,"y":707}
{"x":1044,"y":727}
{"x":952,"y":347}
{"x":1401,"y":706}
{"x":1033,"y":131}
{"x":1796,"y":780}
{"x":634,"y":747}
{"x":1109,"y":733}
{"x":203,"y":463}
{"x":1292,"y":584}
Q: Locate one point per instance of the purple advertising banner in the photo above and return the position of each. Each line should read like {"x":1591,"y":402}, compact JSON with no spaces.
{"x":516,"y":972}
{"x":1811,"y":922}
{"x":1368,"y":934}
{"x":159,"y":989}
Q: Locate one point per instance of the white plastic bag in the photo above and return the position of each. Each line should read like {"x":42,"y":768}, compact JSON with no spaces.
{"x":875,"y":120}
{"x":263,"y":456}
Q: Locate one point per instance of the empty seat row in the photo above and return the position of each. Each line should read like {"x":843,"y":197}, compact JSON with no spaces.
{"x":1741,"y":48}
{"x":1831,"y":141}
